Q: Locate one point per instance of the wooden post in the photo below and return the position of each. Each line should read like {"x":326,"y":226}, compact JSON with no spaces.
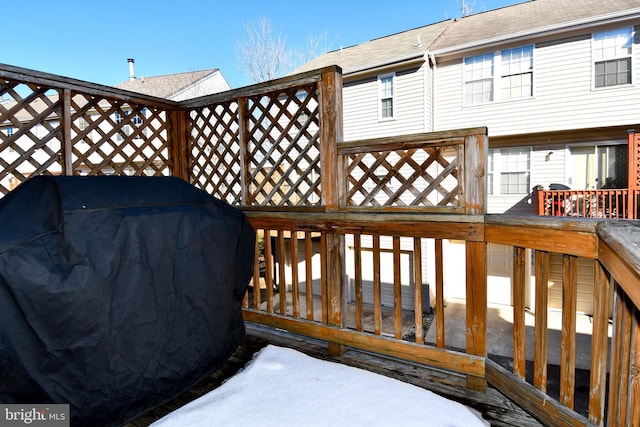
{"x":475,"y":199}
{"x":243,"y":136}
{"x":475,"y":177}
{"x":178,"y":144}
{"x":476,"y":306}
{"x":599,"y":343}
{"x":330,"y":99}
{"x":633,"y":180}
{"x":67,"y":144}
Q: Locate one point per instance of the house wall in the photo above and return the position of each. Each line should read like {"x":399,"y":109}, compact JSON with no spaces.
{"x":563,"y":94}
{"x":212,"y":84}
{"x":360,"y":105}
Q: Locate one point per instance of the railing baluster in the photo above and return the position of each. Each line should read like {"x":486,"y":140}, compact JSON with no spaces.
{"x":256,"y":270}
{"x":620,"y":359}
{"x":440,"y":339}
{"x":541,"y":338}
{"x":308,"y":257}
{"x":282,"y":283}
{"x":357,"y":254}
{"x":397,"y":288}
{"x":519,"y":328}
{"x":599,"y":343}
{"x":377,"y":289}
{"x":568,"y":345}
{"x":634,"y":380}
{"x":295,"y":291}
{"x":417,"y":281}
{"x":268,"y":273}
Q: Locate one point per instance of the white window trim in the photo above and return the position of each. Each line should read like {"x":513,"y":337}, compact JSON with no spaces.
{"x":593,"y":59}
{"x":497,"y":78}
{"x":393,"y":96}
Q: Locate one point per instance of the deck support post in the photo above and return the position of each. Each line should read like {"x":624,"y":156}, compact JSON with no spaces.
{"x":330,"y":99}
{"x":178,"y":152}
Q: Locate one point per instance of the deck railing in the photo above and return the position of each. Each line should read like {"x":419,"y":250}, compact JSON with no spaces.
{"x":603,"y":203}
{"x":351,"y":234}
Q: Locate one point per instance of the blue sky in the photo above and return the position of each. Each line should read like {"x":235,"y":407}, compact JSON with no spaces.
{"x":92,"y":40}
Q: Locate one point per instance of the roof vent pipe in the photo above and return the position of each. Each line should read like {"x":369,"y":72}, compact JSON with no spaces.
{"x":132,"y":74}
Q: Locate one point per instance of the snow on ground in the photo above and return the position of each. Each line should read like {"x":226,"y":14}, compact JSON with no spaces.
{"x":283,"y":387}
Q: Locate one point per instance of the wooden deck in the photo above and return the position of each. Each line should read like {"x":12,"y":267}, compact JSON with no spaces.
{"x":341,"y":220}
{"x":494,"y":406}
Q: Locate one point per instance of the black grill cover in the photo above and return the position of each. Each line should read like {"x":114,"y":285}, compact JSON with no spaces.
{"x":117,"y":293}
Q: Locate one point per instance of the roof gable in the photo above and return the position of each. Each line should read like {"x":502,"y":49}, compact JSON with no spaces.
{"x":167,"y":85}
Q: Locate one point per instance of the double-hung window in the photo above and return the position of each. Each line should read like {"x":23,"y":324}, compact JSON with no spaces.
{"x":509,"y":171}
{"x":612,"y":57}
{"x":478,"y":79}
{"x":515,"y":165}
{"x":499,"y":76}
{"x":386,"y":102}
{"x":517,"y":73}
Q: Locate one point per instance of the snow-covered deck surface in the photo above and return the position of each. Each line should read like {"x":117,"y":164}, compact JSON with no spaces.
{"x":493,"y":406}
{"x":282,"y":386}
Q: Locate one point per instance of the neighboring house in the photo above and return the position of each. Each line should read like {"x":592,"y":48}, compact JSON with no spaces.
{"x":177,"y":87}
{"x":556,"y":82}
{"x":18,"y":136}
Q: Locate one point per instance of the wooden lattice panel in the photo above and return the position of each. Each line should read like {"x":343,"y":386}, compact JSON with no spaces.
{"x":215,"y":151}
{"x":30,"y":132}
{"x":111,"y":137}
{"x":422,"y":177}
{"x":283,"y":151}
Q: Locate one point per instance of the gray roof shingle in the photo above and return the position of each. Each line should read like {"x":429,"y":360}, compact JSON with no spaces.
{"x":509,"y":21}
{"x":377,"y":51}
{"x":164,"y":86}
{"x":527,"y":17}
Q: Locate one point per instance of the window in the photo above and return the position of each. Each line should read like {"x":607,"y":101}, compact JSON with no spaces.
{"x":514,"y":170}
{"x":139,"y":118}
{"x":478,"y":79}
{"x":385,"y":96}
{"x":612,"y":57}
{"x":509,"y":171}
{"x":490,"y":174}
{"x":82,"y":123}
{"x":599,"y":166}
{"x":498,"y":76}
{"x":517,"y":73}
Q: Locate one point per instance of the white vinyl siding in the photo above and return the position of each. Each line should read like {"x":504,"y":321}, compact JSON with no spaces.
{"x":563,"y":97}
{"x":411,"y":109}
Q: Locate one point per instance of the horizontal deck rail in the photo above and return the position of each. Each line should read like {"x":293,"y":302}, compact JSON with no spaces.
{"x":352,"y":235}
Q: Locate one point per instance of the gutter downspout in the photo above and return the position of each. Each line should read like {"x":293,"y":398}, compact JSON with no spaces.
{"x":430,"y":58}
